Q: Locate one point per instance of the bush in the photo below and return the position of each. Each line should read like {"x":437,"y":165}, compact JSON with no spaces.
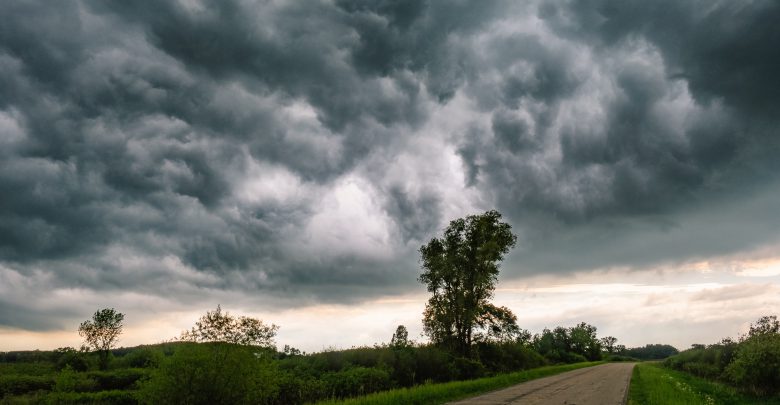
{"x":508,"y":357}
{"x":142,"y":358}
{"x":23,"y":384}
{"x":69,"y":357}
{"x":356,"y":381}
{"x":756,"y":365}
{"x":294,"y":389}
{"x":122,"y":379}
{"x":115,"y":397}
{"x":212,"y":373}
{"x":434,"y":364}
{"x":68,"y":380}
{"x":467,"y":369}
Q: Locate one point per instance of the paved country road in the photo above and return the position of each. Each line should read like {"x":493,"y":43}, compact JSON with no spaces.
{"x":604,"y":384}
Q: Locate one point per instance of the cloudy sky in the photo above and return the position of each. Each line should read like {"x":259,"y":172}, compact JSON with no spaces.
{"x":286,"y":159}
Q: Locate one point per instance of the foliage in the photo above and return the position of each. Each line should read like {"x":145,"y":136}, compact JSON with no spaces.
{"x":70,"y":357}
{"x":400,"y":338}
{"x":102,"y":332}
{"x":651,"y":352}
{"x":756,"y":365}
{"x":212,"y":373}
{"x":751,"y":364}
{"x":113,"y":397}
{"x":356,"y":381}
{"x":218,"y":326}
{"x":569,"y":345}
{"x":69,"y":380}
{"x":652,"y":384}
{"x":765,"y":326}
{"x":508,"y":357}
{"x":460,"y":269}
{"x":609,"y":343}
{"x":142,"y":357}
{"x":14,"y":384}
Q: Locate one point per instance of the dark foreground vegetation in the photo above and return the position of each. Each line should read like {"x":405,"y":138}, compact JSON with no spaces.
{"x":228,"y":373}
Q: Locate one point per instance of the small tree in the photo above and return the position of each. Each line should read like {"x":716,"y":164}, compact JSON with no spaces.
{"x":218,"y":326}
{"x":608,"y":343}
{"x":400,"y":338}
{"x":101,"y":333}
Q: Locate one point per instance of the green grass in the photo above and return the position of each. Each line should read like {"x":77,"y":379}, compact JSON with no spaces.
{"x":653,"y":384}
{"x":451,"y":391}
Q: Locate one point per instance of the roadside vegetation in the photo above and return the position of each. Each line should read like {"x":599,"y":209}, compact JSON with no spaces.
{"x":751,"y":363}
{"x":654,"y":384}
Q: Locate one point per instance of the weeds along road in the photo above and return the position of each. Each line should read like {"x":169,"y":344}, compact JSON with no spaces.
{"x":604,"y":384}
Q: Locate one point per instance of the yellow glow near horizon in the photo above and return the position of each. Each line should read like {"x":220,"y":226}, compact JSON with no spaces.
{"x":706,"y":302}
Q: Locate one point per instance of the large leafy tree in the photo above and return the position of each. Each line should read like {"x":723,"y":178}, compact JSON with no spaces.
{"x":460,"y":270}
{"x":102,"y":332}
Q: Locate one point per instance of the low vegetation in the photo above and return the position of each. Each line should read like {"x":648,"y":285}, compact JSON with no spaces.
{"x":750,"y":364}
{"x":653,"y":384}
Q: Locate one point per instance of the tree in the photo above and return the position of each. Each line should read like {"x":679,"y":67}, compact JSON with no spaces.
{"x":218,"y":326}
{"x":102,"y":332}
{"x":765,"y":326}
{"x":400,"y":338}
{"x":608,"y":343}
{"x":461,"y":269}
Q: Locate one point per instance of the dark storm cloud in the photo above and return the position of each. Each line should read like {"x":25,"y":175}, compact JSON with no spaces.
{"x":184,"y":146}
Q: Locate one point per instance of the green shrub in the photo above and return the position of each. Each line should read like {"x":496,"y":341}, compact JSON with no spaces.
{"x":756,"y":365}
{"x":114,"y":397}
{"x":508,"y":357}
{"x":121,"y":379}
{"x":212,"y":373}
{"x":22,"y":384}
{"x":295,"y":389}
{"x":356,"y":381}
{"x":68,"y":380}
{"x":467,"y":369}
{"x":434,"y":364}
{"x":144,"y":357}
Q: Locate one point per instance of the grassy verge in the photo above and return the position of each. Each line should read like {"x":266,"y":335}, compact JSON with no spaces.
{"x":451,"y":391}
{"x":653,"y":384}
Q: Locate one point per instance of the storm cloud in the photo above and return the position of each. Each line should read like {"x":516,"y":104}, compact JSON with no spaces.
{"x":295,"y":153}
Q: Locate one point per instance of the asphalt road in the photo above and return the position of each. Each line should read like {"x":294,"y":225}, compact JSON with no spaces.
{"x":605,"y":384}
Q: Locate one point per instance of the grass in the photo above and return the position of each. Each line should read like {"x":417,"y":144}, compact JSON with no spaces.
{"x":440,"y":393}
{"x":653,"y":384}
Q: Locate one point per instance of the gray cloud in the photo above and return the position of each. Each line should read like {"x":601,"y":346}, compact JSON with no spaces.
{"x":305,"y":150}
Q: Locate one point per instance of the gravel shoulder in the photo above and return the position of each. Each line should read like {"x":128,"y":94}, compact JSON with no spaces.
{"x":604,"y":384}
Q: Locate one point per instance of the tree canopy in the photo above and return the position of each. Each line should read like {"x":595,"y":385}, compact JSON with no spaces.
{"x":102,"y":332}
{"x":461,"y":270}
{"x":219,"y":326}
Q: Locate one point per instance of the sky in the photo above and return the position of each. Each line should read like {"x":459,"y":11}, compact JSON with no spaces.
{"x":287,"y":160}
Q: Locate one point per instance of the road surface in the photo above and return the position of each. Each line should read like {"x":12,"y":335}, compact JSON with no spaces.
{"x":605,"y":384}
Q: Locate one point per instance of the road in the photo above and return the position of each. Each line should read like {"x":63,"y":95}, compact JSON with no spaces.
{"x":604,"y":384}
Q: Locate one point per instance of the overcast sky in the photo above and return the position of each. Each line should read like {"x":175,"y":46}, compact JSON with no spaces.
{"x":286,"y":159}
